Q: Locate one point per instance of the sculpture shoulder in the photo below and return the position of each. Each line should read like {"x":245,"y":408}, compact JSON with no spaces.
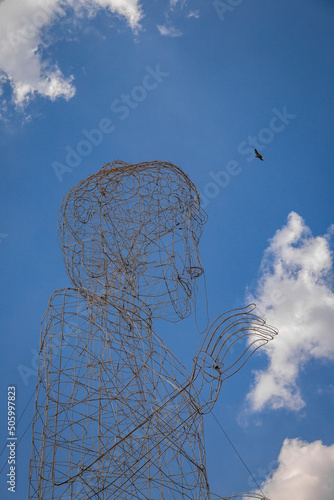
{"x":76,"y":300}
{"x":72,"y":313}
{"x":64,"y":299}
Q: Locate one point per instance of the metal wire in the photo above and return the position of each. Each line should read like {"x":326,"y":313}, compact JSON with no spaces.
{"x":117,"y":416}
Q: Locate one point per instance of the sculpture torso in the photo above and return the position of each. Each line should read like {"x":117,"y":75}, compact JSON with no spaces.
{"x":114,"y":414}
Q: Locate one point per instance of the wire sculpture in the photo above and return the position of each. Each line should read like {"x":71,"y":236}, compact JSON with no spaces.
{"x":117,"y":416}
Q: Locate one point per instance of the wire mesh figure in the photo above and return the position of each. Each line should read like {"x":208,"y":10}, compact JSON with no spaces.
{"x":117,"y":415}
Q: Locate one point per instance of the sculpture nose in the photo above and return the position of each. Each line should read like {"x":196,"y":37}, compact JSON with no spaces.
{"x":194,"y":267}
{"x":196,"y":271}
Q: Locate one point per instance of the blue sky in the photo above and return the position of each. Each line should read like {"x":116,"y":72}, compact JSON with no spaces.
{"x":205,"y":81}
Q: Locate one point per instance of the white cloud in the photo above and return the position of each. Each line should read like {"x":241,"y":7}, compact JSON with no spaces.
{"x":130,"y":9}
{"x":295,"y":295}
{"x":305,"y":472}
{"x":173,"y":3}
{"x":169,"y":31}
{"x":23,"y":24}
{"x":194,"y":13}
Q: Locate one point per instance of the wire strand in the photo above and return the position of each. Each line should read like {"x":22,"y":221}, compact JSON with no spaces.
{"x":236,"y":451}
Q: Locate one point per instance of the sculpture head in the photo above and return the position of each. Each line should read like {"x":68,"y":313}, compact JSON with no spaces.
{"x":132,"y":231}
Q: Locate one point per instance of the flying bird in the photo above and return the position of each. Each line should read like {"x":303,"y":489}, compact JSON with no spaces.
{"x":258,"y":155}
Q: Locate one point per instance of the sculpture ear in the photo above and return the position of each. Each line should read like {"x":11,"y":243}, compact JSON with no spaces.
{"x":235,"y":336}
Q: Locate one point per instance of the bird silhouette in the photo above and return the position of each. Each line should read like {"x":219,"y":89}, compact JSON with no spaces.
{"x":258,"y":155}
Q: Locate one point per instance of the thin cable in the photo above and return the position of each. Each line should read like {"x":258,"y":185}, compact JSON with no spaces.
{"x":236,"y":451}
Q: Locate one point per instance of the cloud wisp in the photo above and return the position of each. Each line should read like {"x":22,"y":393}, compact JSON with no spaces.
{"x":295,"y":294}
{"x":171,"y":31}
{"x":23,"y":25}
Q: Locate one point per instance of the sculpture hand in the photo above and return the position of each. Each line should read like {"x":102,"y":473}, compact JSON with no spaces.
{"x":224,"y":351}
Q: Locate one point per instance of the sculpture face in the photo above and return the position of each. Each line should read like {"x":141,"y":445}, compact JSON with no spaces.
{"x":134,"y":233}
{"x":172,"y":269}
